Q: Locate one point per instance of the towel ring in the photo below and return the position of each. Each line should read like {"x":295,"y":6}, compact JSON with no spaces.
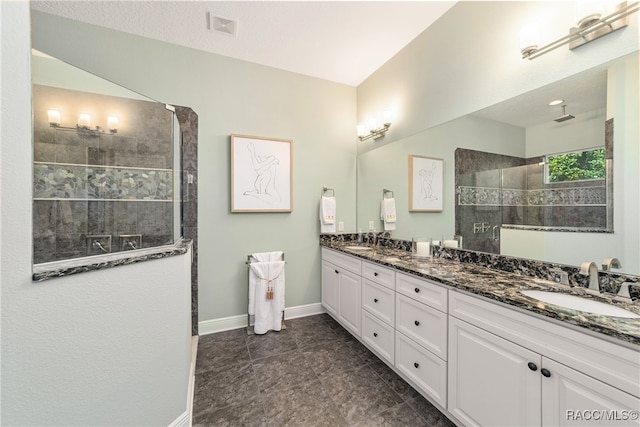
{"x":325,"y":189}
{"x":385,"y":191}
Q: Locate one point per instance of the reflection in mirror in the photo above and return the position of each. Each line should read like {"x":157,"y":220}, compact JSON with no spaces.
{"x":500,"y":154}
{"x":105,"y":171}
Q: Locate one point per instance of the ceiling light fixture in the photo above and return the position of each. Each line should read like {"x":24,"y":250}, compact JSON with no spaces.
{"x":588,"y":29}
{"x":555,"y":102}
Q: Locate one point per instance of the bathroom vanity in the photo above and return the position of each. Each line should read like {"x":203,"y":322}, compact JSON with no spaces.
{"x":470,"y":342}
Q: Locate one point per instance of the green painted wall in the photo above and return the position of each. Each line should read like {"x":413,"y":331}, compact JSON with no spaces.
{"x":233,"y":96}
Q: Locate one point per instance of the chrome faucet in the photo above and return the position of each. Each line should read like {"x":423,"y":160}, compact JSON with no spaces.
{"x":374,"y":239}
{"x":589,"y":268}
{"x":610,"y":263}
{"x":623,"y":293}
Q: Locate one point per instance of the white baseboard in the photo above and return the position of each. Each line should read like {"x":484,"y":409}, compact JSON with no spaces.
{"x":235,"y":322}
{"x":184,"y":420}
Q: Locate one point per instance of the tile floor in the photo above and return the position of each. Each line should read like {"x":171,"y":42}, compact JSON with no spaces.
{"x":314,"y":373}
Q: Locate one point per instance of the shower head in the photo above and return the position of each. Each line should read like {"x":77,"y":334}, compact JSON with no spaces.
{"x":564,"y":117}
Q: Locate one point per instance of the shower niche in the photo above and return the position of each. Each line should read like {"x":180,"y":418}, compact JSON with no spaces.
{"x":106,"y":169}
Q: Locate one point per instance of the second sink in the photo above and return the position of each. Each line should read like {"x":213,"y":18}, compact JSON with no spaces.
{"x":581,"y":304}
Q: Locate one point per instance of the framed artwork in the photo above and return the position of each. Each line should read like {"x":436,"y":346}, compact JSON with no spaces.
{"x":425,"y":184}
{"x":261,"y":174}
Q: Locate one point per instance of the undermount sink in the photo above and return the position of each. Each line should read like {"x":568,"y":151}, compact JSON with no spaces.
{"x":581,"y":304}
{"x":358,"y":248}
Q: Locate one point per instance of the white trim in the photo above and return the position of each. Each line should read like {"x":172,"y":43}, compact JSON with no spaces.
{"x":235,"y":322}
{"x":184,"y":420}
{"x":304,"y":310}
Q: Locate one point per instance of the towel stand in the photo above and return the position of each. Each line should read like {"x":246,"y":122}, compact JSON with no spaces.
{"x":326,"y":189}
{"x":385,"y":191}
{"x":251,"y":259}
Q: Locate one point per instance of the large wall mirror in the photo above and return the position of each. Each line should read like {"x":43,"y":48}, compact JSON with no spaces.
{"x":106,"y":170}
{"x":500,"y":191}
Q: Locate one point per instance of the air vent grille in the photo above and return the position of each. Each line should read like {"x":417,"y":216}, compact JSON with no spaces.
{"x":223,"y":25}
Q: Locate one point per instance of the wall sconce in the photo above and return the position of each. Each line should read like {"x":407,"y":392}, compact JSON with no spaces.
{"x":589,"y":28}
{"x":84,"y":124}
{"x":373,"y":130}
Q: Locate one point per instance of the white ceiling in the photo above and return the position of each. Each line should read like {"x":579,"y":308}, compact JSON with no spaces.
{"x":582,"y":93}
{"x":341,"y":41}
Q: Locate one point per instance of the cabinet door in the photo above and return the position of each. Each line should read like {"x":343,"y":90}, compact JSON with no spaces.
{"x":330,"y":287}
{"x":571,"y":398}
{"x":378,"y":335}
{"x":490,"y":380}
{"x":379,"y":301}
{"x":349,"y":300}
{"x":423,"y":324}
{"x":427,"y":371}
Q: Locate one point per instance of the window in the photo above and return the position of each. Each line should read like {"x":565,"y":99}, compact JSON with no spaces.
{"x":576,"y":166}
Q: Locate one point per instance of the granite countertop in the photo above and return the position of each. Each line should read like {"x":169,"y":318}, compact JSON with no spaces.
{"x":503,"y":287}
{"x":52,"y":270}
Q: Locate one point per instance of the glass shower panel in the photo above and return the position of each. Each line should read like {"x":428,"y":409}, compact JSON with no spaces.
{"x":479,"y":209}
{"x":104,"y":166}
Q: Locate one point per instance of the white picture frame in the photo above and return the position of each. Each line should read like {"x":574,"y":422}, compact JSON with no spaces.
{"x":261,"y":174}
{"x":425,"y":184}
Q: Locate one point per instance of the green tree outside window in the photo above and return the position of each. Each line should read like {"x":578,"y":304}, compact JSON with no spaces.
{"x":576,"y":166}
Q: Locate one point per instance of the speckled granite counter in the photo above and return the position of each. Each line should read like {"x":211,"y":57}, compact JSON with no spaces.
{"x":503,"y":287}
{"x":55,"y":269}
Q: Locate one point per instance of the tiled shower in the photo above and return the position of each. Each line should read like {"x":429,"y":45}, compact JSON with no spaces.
{"x":495,"y":190}
{"x":98,"y":192}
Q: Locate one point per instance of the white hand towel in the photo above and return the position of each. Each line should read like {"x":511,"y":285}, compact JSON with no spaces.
{"x":267,"y":256}
{"x":268,"y":312}
{"x":388,"y":213}
{"x":328,"y":214}
{"x":260,"y":257}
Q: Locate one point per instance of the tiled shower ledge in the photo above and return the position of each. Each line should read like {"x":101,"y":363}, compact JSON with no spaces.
{"x":51,"y":270}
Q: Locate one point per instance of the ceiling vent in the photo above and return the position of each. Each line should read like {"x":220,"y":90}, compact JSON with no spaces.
{"x":223,"y":25}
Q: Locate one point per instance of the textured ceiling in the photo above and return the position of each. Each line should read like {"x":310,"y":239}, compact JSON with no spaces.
{"x":341,"y":41}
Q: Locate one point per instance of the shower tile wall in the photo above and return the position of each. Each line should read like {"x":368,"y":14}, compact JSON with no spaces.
{"x":494,"y":189}
{"x":100,"y":185}
{"x":188,"y":120}
{"x":481,"y":170}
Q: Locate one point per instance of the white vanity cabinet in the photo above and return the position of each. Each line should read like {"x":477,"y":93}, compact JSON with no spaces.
{"x":509,"y":368}
{"x":341,"y":288}
{"x":483,"y":363}
{"x":378,"y":309}
{"x":421,"y":334}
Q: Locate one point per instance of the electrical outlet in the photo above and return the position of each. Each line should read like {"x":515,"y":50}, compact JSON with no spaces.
{"x":371,"y":226}
{"x":560,"y":276}
{"x":340,"y":225}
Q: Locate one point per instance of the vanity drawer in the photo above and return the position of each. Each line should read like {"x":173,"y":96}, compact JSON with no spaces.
{"x":378,"y":335}
{"x":425,"y":291}
{"x":425,"y":325}
{"x":427,"y":371}
{"x":379,"y":274}
{"x":347,"y":262}
{"x":378,"y":300}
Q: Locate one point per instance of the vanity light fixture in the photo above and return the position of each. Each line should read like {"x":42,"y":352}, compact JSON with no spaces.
{"x":373,"y":130}
{"x":84,"y":124}
{"x":588,"y":29}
